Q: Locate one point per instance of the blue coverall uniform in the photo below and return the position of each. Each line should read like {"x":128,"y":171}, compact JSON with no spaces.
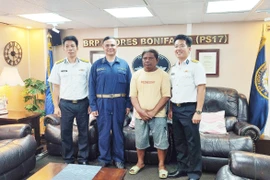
{"x":109,"y":95}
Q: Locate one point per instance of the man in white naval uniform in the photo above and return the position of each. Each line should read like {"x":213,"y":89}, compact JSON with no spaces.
{"x":70,"y":77}
{"x":188,"y":90}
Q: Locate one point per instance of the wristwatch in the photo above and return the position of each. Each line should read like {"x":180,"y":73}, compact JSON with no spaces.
{"x":198,"y":112}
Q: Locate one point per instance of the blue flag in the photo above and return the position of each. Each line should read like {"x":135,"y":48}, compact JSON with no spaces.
{"x":49,"y":107}
{"x":258,"y":100}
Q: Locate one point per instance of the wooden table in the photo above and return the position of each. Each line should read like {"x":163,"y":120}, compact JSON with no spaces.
{"x":52,"y":169}
{"x":110,"y":173}
{"x":15,"y":117}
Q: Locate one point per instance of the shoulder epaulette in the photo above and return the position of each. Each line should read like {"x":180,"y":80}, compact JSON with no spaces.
{"x":84,"y":60}
{"x":194,"y":60}
{"x":58,"y":62}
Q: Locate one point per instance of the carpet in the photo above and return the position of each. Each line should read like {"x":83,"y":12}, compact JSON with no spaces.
{"x":149,"y":172}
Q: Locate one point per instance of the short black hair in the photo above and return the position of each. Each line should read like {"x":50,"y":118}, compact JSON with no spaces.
{"x":107,"y":38}
{"x":151,"y":51}
{"x":185,"y":38}
{"x":71,"y":38}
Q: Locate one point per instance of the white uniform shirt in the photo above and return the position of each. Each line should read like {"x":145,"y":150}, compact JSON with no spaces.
{"x":72,"y":78}
{"x":185,"y":78}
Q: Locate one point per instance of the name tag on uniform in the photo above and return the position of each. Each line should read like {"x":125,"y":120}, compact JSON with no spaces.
{"x":100,"y":69}
{"x":121,"y":69}
{"x":81,"y":69}
{"x":64,"y":70}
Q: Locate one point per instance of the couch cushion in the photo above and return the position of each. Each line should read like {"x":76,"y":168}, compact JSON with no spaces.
{"x":15,"y":152}
{"x":53,"y":134}
{"x":230,"y":122}
{"x":220,"y":145}
{"x":213,"y":123}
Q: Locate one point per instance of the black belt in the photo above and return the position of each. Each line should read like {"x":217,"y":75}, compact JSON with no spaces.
{"x":184,"y":104}
{"x":74,"y":101}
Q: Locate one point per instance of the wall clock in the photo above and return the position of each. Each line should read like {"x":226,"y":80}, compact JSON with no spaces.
{"x":13,"y":53}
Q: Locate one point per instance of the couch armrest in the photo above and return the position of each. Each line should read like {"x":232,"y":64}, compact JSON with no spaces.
{"x":224,"y":173}
{"x":242,"y":108}
{"x":249,"y":165}
{"x":14,"y":131}
{"x":245,"y":129}
{"x":52,"y":119}
{"x":127,"y":119}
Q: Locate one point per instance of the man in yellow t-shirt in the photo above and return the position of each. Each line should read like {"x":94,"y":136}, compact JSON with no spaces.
{"x":149,"y":92}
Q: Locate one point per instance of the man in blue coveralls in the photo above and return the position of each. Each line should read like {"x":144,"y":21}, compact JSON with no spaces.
{"x":109,"y":101}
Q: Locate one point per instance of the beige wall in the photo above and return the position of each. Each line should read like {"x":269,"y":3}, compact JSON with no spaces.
{"x":32,"y":63}
{"x":38,"y":53}
{"x":237,"y":58}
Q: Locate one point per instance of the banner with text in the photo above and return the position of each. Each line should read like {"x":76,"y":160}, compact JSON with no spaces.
{"x":160,"y":41}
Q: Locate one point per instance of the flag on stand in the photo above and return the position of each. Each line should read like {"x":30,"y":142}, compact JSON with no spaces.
{"x":49,"y":107}
{"x":258,"y":100}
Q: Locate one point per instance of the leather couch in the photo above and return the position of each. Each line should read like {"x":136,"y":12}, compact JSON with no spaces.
{"x":215,"y":148}
{"x":53,"y":140}
{"x":245,"y":165}
{"x":53,"y":137}
{"x":17,"y":151}
{"x":241,"y":135}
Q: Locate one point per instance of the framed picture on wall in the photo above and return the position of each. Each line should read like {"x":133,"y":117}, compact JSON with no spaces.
{"x":210,"y":60}
{"x":95,"y":55}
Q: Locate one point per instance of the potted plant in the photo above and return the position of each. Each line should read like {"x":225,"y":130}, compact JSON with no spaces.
{"x":34,"y":95}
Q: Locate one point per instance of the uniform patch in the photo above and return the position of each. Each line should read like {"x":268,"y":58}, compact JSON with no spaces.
{"x":60,"y":61}
{"x":101,"y":69}
{"x":81,"y":69}
{"x":194,"y":60}
{"x":84,"y":60}
{"x":64,"y":70}
{"x":121,"y":69}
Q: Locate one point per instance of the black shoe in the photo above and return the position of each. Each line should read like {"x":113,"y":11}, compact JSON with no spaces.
{"x":177,"y":173}
{"x":193,"y":179}
{"x":120,"y":165}
{"x":72,"y":162}
{"x":102,"y":164}
{"x":84,"y":163}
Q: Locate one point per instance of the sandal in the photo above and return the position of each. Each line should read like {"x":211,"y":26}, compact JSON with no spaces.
{"x":163,"y":173}
{"x":135,"y":169}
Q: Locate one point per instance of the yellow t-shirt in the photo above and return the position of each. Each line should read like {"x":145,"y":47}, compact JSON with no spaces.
{"x":149,"y":88}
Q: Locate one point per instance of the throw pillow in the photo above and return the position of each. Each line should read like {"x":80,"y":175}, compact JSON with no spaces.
{"x":213,"y":123}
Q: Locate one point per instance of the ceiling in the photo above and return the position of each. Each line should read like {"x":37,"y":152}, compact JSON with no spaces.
{"x":90,"y":13}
